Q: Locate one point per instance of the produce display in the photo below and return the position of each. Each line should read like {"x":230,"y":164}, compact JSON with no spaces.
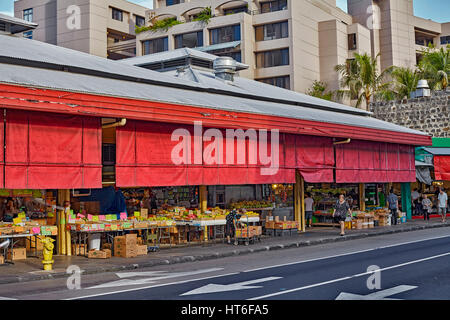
{"x":22,"y":225}
{"x":253,"y":204}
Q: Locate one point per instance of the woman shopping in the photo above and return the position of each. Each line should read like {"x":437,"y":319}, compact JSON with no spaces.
{"x":340,"y":212}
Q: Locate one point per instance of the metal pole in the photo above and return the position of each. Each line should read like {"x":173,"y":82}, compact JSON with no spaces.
{"x":67,"y":213}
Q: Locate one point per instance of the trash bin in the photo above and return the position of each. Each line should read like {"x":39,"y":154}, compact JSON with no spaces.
{"x":94,"y":241}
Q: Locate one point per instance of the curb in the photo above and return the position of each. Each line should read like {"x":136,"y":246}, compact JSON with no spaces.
{"x":216,"y":255}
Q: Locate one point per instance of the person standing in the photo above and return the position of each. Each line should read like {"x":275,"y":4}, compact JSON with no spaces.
{"x":427,"y":207}
{"x":415,"y":195}
{"x":309,"y":207}
{"x":442,"y":203}
{"x":230,"y":227}
{"x":392,"y":200}
{"x":340,"y":212}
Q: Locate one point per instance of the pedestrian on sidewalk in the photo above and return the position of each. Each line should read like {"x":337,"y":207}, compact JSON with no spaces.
{"x":427,"y":207}
{"x":442,"y":204}
{"x":340,"y":212}
{"x":309,"y":207}
{"x":392,"y":200}
{"x":415,"y":195}
{"x":230,"y":227}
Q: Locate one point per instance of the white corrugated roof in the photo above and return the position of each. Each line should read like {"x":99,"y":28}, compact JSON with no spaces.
{"x":31,"y":63}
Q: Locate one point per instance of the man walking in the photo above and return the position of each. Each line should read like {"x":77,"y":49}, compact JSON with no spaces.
{"x":309,"y":203}
{"x":392,"y":200}
{"x":442,"y":203}
{"x":415,"y":195}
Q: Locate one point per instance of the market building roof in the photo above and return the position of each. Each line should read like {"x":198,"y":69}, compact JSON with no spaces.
{"x":17,"y":25}
{"x":28,"y":63}
{"x":175,"y":58}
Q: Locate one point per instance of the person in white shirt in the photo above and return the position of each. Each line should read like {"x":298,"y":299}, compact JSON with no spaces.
{"x":442,"y":204}
{"x":309,"y":203}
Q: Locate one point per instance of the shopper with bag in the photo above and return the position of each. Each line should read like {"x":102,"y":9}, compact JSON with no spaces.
{"x":427,"y":207}
{"x":340,"y":212}
{"x":392,"y":200}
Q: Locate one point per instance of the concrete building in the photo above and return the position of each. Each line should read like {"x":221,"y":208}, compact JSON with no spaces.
{"x":15,"y":26}
{"x":104,"y":28}
{"x":396,"y":33}
{"x":291,"y":43}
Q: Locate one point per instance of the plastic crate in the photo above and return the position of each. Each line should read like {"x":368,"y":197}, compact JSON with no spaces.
{"x":282,"y":232}
{"x":270,"y":232}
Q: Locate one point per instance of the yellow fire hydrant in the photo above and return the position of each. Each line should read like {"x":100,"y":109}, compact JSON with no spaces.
{"x":48,"y":253}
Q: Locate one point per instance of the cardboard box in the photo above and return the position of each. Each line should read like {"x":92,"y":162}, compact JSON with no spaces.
{"x":144,"y":213}
{"x":270,"y":225}
{"x":107,"y":245}
{"x":2,"y":259}
{"x":32,"y":243}
{"x":17,"y":254}
{"x":99,"y":254}
{"x":142,"y":250}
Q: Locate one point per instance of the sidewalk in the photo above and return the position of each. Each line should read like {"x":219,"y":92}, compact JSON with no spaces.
{"x":31,"y":268}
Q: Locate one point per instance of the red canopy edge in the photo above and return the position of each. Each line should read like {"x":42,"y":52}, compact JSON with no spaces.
{"x":442,"y":168}
{"x":27,"y":98}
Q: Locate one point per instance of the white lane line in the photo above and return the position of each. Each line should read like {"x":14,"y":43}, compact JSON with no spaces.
{"x":344,"y":254}
{"x":348,"y":277}
{"x":149,"y":287}
{"x":6,"y":298}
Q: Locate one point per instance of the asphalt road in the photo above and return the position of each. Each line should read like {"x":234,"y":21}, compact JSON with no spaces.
{"x":413,"y":265}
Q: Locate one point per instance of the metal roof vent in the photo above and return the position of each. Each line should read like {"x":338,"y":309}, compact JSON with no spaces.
{"x":423,"y":90}
{"x":225,"y":68}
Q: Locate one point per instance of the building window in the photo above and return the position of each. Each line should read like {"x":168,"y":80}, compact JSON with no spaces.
{"x":282,"y":82}
{"x":225,"y":34}
{"x":236,"y":10}
{"x":272,"y":58}
{"x":272,"y":31}
{"x":172,"y":2}
{"x":445,"y":40}
{"x":272,"y":6}
{"x":140,"y":21}
{"x":352,"y":41}
{"x":28,"y":34}
{"x":28,"y":15}
{"x":155,"y":45}
{"x":189,"y":40}
{"x":117,"y":14}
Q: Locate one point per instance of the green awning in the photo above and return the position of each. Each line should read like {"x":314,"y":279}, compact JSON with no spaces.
{"x":441,"y":142}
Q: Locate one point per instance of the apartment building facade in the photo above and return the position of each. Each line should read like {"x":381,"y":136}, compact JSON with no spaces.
{"x":105,"y":28}
{"x":288,"y":43}
{"x":396,"y":33}
{"x":292,"y":43}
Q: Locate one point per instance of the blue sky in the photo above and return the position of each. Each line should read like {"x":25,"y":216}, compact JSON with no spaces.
{"x":438,"y":11}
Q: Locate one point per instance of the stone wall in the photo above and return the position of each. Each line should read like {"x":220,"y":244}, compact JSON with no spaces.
{"x":430,"y":115}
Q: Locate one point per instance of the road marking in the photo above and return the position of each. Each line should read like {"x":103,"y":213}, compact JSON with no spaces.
{"x":213,"y":288}
{"x":345,"y":254}
{"x":6,"y":298}
{"x":379,"y":295}
{"x":154,"y":276}
{"x":348,"y":277}
{"x":149,"y":287}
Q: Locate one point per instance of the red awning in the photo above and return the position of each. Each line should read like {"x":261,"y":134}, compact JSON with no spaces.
{"x":370,"y":162}
{"x":145,"y":157}
{"x":51,"y":151}
{"x":442,"y":168}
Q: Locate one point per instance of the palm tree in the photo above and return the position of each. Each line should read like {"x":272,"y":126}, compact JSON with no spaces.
{"x":405,"y":82}
{"x":362,"y":80}
{"x":435,"y":66}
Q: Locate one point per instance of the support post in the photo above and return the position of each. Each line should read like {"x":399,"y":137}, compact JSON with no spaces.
{"x":299,"y":201}
{"x":203,"y":206}
{"x":61,"y":223}
{"x":406,"y":200}
{"x":67,"y":213}
{"x":362,"y":197}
